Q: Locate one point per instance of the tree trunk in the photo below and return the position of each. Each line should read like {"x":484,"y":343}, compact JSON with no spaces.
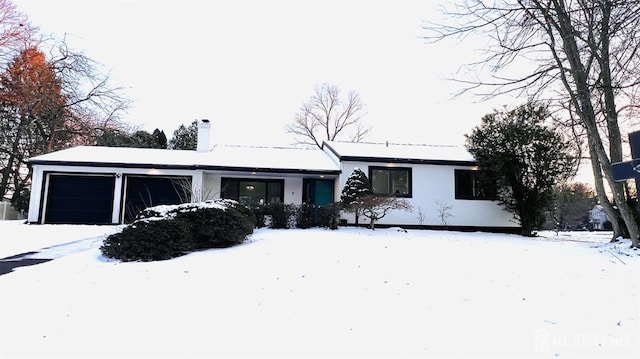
{"x":618,"y":196}
{"x":612,"y":214}
{"x":610,"y":112}
{"x":14,"y":161}
{"x":581,"y":98}
{"x":6,"y":174}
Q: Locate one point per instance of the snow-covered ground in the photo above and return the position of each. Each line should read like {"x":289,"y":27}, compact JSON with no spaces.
{"x":320,"y":293}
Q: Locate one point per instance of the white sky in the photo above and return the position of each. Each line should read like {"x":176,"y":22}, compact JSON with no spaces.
{"x":248,"y":66}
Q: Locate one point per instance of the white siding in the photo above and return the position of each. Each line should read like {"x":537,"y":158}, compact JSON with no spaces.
{"x":211,"y":186}
{"x":433,"y":185}
{"x":293,"y":190}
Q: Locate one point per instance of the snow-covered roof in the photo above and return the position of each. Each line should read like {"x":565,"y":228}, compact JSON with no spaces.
{"x":273,"y":157}
{"x":254,"y":158}
{"x":407,"y":153}
{"x":276,"y":159}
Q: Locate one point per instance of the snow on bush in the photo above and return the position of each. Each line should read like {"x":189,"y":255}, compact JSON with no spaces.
{"x":170,"y":211}
{"x":168,"y":231}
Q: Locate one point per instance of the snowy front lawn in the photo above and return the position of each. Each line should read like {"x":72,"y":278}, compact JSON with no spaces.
{"x":320,"y":293}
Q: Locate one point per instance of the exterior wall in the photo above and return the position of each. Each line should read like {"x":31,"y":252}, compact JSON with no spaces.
{"x":38,"y":184}
{"x":293,"y":190}
{"x":433,"y":185}
{"x":211,"y":186}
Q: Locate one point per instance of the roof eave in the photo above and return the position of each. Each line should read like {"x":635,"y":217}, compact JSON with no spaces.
{"x":410,"y":161}
{"x":400,"y":160}
{"x":187,"y":167}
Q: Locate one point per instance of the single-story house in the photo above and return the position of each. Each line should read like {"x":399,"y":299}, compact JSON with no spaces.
{"x":109,"y":185}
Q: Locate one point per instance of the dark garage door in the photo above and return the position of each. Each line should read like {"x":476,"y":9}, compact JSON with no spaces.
{"x":79,"y":199}
{"x":147,"y":191}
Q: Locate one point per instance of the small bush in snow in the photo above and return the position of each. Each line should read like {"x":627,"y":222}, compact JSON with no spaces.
{"x":261,"y":215}
{"x":305,"y":215}
{"x":281,"y":214}
{"x":164,"y":232}
{"x":329,"y":215}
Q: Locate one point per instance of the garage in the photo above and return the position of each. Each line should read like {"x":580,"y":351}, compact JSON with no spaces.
{"x":146,"y":191}
{"x":79,"y":199}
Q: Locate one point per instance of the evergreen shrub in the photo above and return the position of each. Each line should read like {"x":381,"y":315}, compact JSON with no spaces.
{"x":260,"y":213}
{"x":281,"y":214}
{"x":215,"y":228}
{"x":329,"y":215}
{"x":149,"y":240}
{"x":165,"y":232}
{"x":305,"y":215}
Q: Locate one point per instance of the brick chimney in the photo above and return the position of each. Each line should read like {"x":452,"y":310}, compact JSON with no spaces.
{"x":204,"y":136}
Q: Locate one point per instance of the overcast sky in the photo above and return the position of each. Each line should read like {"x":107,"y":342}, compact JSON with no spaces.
{"x":248,"y":66}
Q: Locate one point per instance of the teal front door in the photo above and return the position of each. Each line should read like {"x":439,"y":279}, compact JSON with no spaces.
{"x":318,"y":192}
{"x":324,"y":192}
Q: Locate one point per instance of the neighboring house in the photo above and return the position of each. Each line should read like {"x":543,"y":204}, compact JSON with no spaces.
{"x":597,"y":217}
{"x":105,"y":185}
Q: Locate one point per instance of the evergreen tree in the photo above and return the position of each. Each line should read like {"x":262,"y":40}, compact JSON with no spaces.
{"x":525,"y":158}
{"x":160,"y":138}
{"x":137,"y":139}
{"x":144,"y":139}
{"x":356,"y":187}
{"x":185,"y":138}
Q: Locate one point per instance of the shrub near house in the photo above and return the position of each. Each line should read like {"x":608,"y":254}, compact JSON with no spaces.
{"x":165,"y":232}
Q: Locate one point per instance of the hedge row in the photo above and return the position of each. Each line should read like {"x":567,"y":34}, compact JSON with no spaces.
{"x":280,"y":215}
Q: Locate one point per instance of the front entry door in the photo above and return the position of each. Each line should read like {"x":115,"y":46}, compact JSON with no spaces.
{"x":318,"y":192}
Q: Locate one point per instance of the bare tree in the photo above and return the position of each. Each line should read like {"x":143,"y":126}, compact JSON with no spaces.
{"x":15,"y":31}
{"x":326,"y":116}
{"x":443,"y":209}
{"x":584,"y":55}
{"x":420,"y":215}
{"x":48,"y":103}
{"x":92,"y":101}
{"x":376,"y":207}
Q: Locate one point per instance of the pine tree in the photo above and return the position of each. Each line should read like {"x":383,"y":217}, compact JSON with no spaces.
{"x":356,"y":187}
{"x":161,"y":138}
{"x":185,"y":138}
{"x":124,"y":138}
